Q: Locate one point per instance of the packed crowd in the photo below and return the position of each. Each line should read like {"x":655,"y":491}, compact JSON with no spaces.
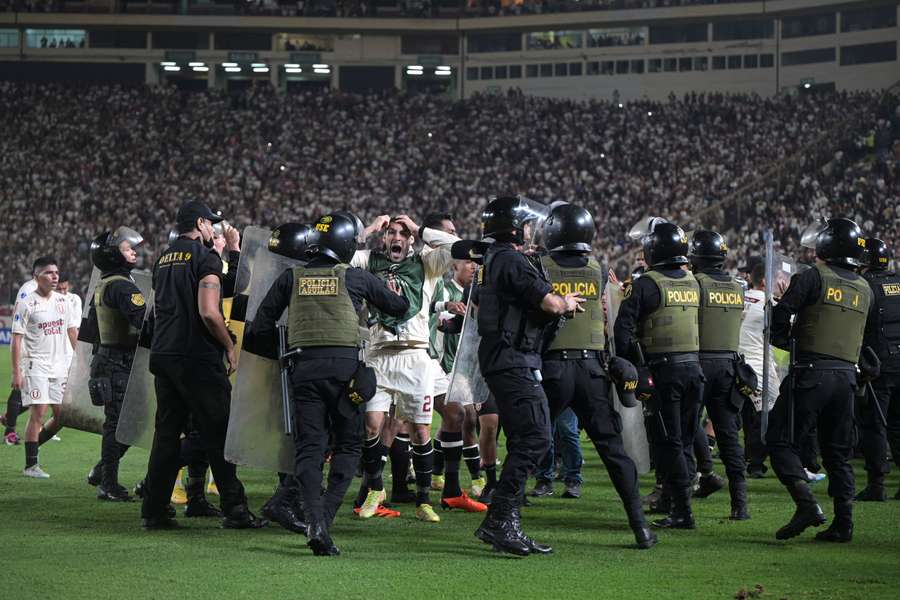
{"x":78,"y":160}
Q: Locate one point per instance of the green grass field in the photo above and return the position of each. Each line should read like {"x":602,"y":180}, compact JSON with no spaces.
{"x":58,"y":541}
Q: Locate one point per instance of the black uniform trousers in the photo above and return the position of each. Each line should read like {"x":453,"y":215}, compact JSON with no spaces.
{"x":678,"y":396}
{"x":823,"y":401}
{"x":525,"y":418}
{"x":876,"y":438}
{"x":114,"y":365}
{"x":583,"y":385}
{"x":196,"y":391}
{"x":318,"y":420}
{"x":723,"y":412}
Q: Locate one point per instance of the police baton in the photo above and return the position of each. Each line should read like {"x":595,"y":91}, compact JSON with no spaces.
{"x":285,"y":363}
{"x":874,"y":400}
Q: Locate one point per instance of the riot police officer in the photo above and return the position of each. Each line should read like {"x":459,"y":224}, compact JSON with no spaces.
{"x":190,"y":345}
{"x":574,"y":366}
{"x":833,"y":305}
{"x":117,"y":308}
{"x":330,"y":383}
{"x":285,"y":507}
{"x":658,"y":321}
{"x":516,"y":304}
{"x":880,"y":423}
{"x":721,"y":309}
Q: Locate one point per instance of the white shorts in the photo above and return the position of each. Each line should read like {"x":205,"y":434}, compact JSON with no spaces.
{"x":43,"y":390}
{"x":405,"y":380}
{"x":441,"y":380}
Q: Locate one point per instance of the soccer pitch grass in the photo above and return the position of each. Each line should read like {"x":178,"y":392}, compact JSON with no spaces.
{"x":58,"y":541}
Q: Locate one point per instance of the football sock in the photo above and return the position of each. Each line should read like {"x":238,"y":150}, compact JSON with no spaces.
{"x":45,"y":436}
{"x":14,"y":408}
{"x":423,"y":461}
{"x":452,"y":455}
{"x":399,"y":461}
{"x":374,"y":457}
{"x":472,"y":456}
{"x":439,"y":454}
{"x":31,"y":454}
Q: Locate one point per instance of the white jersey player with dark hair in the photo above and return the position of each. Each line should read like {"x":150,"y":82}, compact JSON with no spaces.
{"x":14,"y":401}
{"x":43,"y":326}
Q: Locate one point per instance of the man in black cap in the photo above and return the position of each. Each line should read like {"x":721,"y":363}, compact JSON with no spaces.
{"x":575,"y":365}
{"x":880,"y":414}
{"x":823,"y":318}
{"x":187,"y":357}
{"x":516,"y":306}
{"x":330,"y":384}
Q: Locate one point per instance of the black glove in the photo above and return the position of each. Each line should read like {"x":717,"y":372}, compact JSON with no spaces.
{"x":869,"y":366}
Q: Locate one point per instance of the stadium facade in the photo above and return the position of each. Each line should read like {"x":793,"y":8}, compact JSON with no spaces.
{"x":762,"y":47}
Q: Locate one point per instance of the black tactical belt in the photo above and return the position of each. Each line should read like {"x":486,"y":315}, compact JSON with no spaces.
{"x":328,"y":352}
{"x":574,"y":355}
{"x":674,"y":359}
{"x":113,"y":352}
{"x":720,"y":355}
{"x":825,"y":365}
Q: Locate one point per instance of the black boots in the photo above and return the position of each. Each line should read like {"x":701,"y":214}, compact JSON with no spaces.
{"x":738,"y":490}
{"x":709,"y":485}
{"x":499,"y":531}
{"x":109,"y":488}
{"x":681,"y":516}
{"x":319,"y":540}
{"x":197,"y":504}
{"x":240,"y":517}
{"x":808,"y":513}
{"x":874,"y":492}
{"x":284,"y":508}
{"x":841,"y":528}
{"x":95,"y":475}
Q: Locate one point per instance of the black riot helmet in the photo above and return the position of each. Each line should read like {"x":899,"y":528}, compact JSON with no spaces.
{"x":290,"y":240}
{"x":707,"y":248}
{"x":878,"y":254}
{"x":334,"y":235}
{"x":665,"y":244}
{"x":105,"y":252}
{"x":505,"y":217}
{"x":569,"y":227}
{"x":841,"y":243}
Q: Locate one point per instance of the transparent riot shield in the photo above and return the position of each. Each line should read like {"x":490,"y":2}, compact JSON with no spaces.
{"x":779,"y":271}
{"x":77,"y":410}
{"x":634,"y":434}
{"x":467,"y":386}
{"x":256,"y":429}
{"x":138,"y":416}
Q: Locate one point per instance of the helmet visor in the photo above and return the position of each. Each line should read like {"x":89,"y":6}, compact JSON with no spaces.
{"x":811,"y":233}
{"x":644,"y":227}
{"x":125,"y":234}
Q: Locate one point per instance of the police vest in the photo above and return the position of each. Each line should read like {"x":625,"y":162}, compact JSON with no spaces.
{"x":721,"y":308}
{"x":673,"y":326}
{"x":886,"y":290}
{"x":835,"y":324}
{"x":586,"y":331}
{"x":321,"y":312}
{"x":519,"y":327}
{"x":113,"y":326}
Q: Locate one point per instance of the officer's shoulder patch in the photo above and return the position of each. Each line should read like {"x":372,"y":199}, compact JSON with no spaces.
{"x":626,"y":291}
{"x":137,"y":299}
{"x":317,"y":286}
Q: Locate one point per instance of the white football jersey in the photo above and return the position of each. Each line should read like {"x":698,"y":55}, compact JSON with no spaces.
{"x":27,"y":287}
{"x":752,"y":340}
{"x":44,"y":323}
{"x":76,"y":307}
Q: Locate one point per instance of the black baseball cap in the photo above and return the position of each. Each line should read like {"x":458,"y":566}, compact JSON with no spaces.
{"x":192,"y":210}
{"x":625,"y":376}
